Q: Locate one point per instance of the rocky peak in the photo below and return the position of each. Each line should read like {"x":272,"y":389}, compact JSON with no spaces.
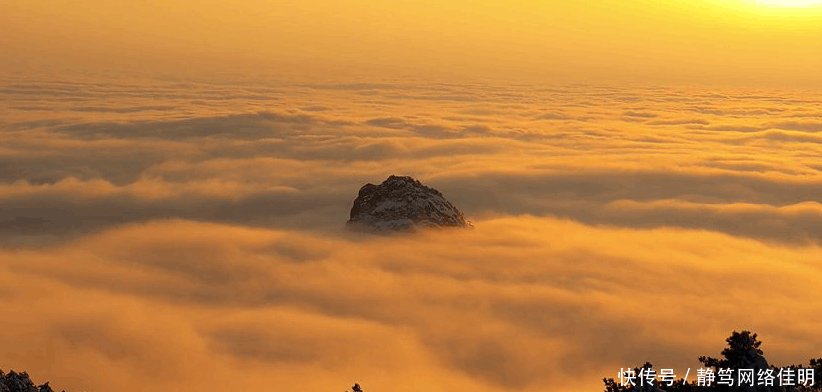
{"x":403,"y":203}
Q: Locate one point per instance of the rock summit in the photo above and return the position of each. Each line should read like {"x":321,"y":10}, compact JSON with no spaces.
{"x":402,"y":203}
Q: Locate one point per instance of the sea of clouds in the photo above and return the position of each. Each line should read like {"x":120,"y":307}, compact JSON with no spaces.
{"x":191,"y":235}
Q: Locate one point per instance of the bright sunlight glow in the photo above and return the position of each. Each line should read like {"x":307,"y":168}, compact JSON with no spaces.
{"x":791,"y":3}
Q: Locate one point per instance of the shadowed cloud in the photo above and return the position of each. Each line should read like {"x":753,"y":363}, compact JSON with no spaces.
{"x":195,"y":232}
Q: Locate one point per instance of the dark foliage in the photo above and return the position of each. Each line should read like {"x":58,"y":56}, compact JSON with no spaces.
{"x":356,"y":388}
{"x":743,"y":352}
{"x":20,"y":382}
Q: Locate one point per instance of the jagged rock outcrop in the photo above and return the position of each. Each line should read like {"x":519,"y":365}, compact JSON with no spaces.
{"x":20,"y":382}
{"x":402,"y":203}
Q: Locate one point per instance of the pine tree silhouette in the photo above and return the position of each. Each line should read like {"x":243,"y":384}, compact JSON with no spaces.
{"x":743,"y":352}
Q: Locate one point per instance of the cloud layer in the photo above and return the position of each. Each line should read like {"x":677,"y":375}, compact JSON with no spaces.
{"x":194,"y":232}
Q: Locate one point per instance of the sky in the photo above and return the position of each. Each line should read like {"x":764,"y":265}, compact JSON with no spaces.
{"x":707,"y":42}
{"x":643,"y":178}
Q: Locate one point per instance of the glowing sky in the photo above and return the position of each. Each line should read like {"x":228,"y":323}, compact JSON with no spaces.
{"x":175,"y":177}
{"x":791,"y":3}
{"x":642,"y":41}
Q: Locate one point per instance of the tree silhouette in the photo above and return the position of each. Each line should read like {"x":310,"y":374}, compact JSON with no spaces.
{"x":742,"y":352}
{"x":356,"y":388}
{"x":20,"y":382}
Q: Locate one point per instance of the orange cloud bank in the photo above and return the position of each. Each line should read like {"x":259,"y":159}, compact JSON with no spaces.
{"x":191,"y":237}
{"x":518,"y":303}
